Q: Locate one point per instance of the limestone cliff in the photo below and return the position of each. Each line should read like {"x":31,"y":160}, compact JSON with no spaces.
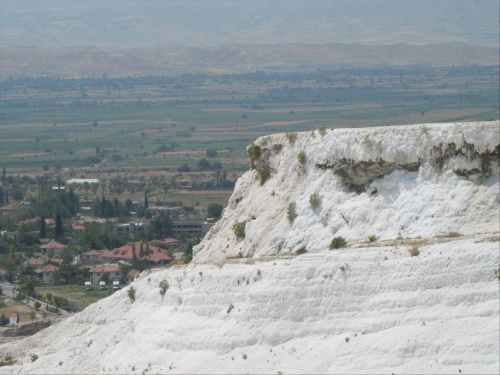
{"x":400,"y":181}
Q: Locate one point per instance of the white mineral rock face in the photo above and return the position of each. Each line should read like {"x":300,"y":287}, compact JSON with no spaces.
{"x":416,"y":181}
{"x":368,"y":308}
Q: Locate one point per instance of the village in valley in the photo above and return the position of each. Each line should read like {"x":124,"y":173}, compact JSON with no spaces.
{"x":122,"y":175}
{"x":64,"y":252}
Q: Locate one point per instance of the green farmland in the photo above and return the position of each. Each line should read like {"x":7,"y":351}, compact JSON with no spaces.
{"x":141,"y":127}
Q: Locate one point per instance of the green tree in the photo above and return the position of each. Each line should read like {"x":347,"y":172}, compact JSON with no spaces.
{"x":10,"y":264}
{"x":292,"y":212}
{"x":211,"y":153}
{"x":215,"y":210}
{"x":131,"y":293}
{"x":67,"y":256}
{"x":129,"y":205}
{"x":43,"y":232}
{"x":124,"y":269}
{"x":301,"y":157}
{"x":3,"y":320}
{"x":189,"y":249}
{"x":160,"y":226}
{"x":72,"y":203}
{"x":105,"y":278}
{"x":17,"y":193}
{"x":204,"y":164}
{"x":109,"y":210}
{"x":337,"y":243}
{"x":103,"y":207}
{"x":27,"y":286}
{"x":28,"y":271}
{"x":4,"y":172}
{"x":135,"y":261}
{"x":314,"y":200}
{"x":239,"y":229}
{"x":71,"y":274}
{"x":146,"y":203}
{"x":184,"y":168}
{"x":93,"y":237}
{"x":59,"y":230}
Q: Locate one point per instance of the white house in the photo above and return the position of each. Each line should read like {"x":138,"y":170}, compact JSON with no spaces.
{"x":97,"y":272}
{"x":46,"y":273}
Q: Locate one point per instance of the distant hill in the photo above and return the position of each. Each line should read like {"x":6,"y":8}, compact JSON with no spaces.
{"x":125,"y":37}
{"x":200,"y":23}
{"x":83,"y":61}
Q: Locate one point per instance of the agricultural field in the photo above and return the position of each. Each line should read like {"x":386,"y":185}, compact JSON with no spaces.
{"x":76,"y":293}
{"x":156,"y":131}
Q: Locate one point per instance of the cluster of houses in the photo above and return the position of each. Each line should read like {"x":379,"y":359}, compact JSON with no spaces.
{"x":45,"y":266}
{"x":108,"y":261}
{"x":103,"y":262}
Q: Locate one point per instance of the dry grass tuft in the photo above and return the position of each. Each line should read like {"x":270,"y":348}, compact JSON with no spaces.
{"x":414,"y":251}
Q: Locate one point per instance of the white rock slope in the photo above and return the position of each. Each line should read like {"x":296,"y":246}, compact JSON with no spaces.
{"x":363,"y":309}
{"x":409,"y":181}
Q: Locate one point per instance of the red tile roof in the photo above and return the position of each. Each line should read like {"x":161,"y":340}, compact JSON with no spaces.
{"x":54,"y":245}
{"x":35,"y":262}
{"x":3,"y":272}
{"x":48,"y":268}
{"x":78,"y":227}
{"x":125,"y":252}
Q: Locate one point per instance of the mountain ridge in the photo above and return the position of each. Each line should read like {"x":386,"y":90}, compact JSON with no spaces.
{"x":230,"y":58}
{"x":126,"y":23}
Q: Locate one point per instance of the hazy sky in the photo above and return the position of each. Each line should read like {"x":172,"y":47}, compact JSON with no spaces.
{"x":124,"y":23}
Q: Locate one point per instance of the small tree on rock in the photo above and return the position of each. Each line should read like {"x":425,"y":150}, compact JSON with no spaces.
{"x":337,"y":243}
{"x":291,"y":212}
